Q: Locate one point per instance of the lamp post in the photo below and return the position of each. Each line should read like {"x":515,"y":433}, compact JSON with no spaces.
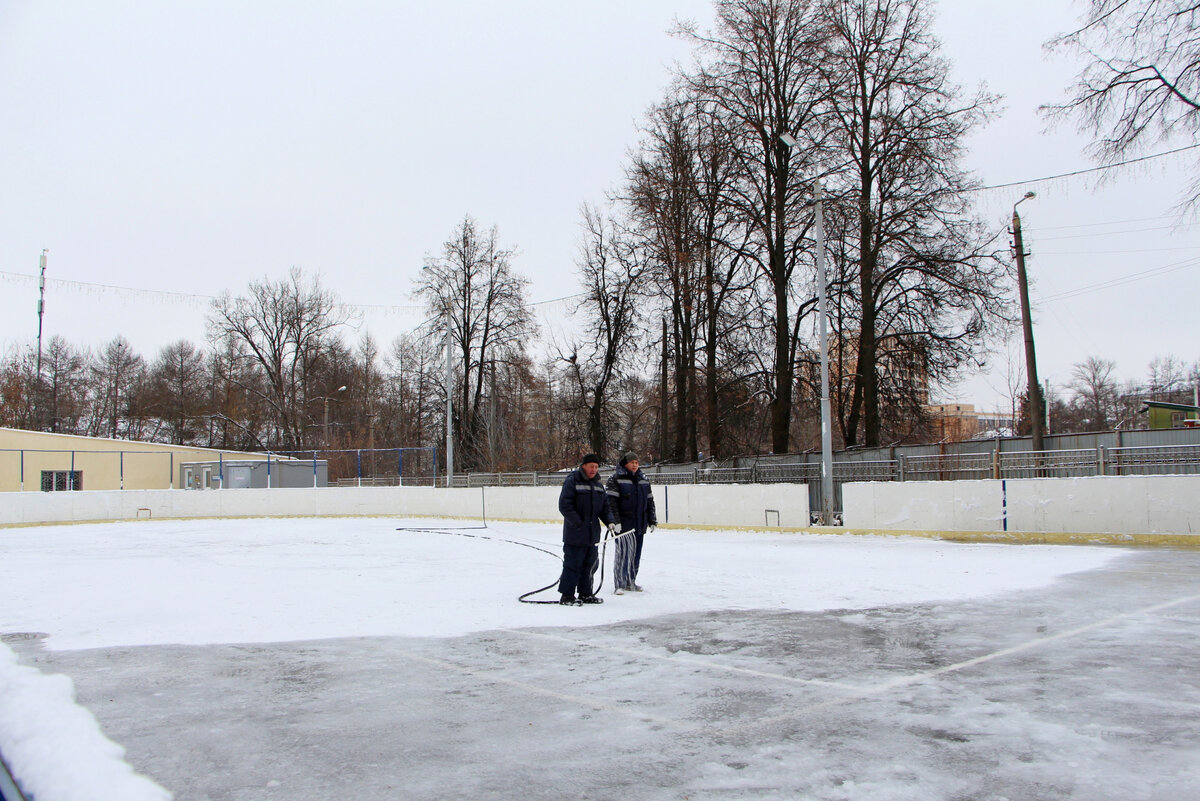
{"x":1036,"y":415}
{"x":325,"y":425}
{"x":449,"y":405}
{"x":826,"y":424}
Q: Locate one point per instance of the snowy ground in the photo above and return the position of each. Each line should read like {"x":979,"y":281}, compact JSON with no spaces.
{"x":319,"y":658}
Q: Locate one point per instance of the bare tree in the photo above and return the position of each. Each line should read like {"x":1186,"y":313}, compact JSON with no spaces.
{"x":678,"y":200}
{"x":234,"y":385}
{"x":177,"y":382}
{"x":1141,"y":85}
{"x":472,"y":288}
{"x":926,"y":281}
{"x":57,"y":400}
{"x":1167,"y":379}
{"x":1096,"y":392}
{"x":116,"y":375}
{"x":610,"y":270}
{"x":286,"y":327}
{"x":412,"y":392}
{"x":758,"y":70}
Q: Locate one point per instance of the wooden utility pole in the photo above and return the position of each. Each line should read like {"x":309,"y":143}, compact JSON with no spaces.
{"x":1037,"y":416}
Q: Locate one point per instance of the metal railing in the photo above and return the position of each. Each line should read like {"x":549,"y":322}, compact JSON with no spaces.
{"x":996,"y":464}
{"x":947,"y":467}
{"x":1163,"y":460}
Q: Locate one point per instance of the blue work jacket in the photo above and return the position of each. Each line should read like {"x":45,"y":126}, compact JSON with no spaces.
{"x":584,"y":506}
{"x":630,"y":500}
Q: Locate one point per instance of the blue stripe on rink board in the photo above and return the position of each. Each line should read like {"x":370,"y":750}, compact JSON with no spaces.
{"x":1004,"y":503}
{"x":8,"y":787}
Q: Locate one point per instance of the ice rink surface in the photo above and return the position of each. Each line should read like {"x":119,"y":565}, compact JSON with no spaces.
{"x":342,"y":658}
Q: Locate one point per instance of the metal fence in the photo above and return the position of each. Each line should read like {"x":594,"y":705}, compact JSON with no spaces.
{"x":996,"y":463}
{"x":1148,"y":460}
{"x":1116,"y":453}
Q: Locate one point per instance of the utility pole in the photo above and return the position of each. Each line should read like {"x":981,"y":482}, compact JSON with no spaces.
{"x":1036,"y":415}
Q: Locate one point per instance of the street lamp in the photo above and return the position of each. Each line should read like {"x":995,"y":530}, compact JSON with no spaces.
{"x":325,"y":426}
{"x":826,"y":424}
{"x":1036,"y":415}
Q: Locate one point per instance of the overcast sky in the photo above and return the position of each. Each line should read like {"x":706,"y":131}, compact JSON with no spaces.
{"x":165,"y":152}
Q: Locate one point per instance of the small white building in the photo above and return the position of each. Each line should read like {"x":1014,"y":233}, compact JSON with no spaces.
{"x":254,"y":473}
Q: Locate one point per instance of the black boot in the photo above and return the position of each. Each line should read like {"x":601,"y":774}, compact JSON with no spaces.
{"x":568,"y":600}
{"x":591,"y":599}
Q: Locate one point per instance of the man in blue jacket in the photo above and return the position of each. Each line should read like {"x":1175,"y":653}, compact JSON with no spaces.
{"x":630,"y":502}
{"x":584,"y":506}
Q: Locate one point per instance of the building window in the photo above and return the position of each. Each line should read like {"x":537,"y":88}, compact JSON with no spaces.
{"x":61,"y":480}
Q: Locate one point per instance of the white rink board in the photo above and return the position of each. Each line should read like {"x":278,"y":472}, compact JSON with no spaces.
{"x":1094,"y":505}
{"x":753,"y":505}
{"x":1091,"y":505}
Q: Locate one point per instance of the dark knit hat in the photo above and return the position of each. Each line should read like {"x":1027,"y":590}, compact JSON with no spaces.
{"x":629,"y":457}
{"x":589,"y":457}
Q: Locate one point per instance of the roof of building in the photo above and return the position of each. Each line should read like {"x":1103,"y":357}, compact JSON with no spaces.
{"x":1178,"y":407}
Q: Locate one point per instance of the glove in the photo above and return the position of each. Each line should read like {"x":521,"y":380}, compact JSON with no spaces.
{"x":614,"y":529}
{"x":650,"y":530}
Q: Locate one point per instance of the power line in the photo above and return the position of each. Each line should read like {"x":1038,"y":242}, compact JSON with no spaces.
{"x":1108,"y":252}
{"x":1125,"y":279}
{"x":192,"y":297}
{"x":1100,"y":224}
{"x":1085,"y":172}
{"x":1105,"y":233}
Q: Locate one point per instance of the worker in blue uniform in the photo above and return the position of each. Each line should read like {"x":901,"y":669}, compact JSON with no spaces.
{"x":584,"y":507}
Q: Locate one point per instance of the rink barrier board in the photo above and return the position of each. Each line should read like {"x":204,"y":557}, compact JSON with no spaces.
{"x":1127,"y":510}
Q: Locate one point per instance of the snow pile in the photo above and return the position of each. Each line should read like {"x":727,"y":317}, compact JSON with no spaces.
{"x":54,"y":747}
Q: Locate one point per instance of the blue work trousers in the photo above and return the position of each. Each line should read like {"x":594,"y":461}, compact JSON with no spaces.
{"x":579,"y":565}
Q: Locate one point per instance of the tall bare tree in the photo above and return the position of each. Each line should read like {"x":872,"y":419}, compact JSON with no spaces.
{"x":1141,"y":84}
{"x":287,"y":327}
{"x":472,"y":288}
{"x":926,"y":279}
{"x":759,"y":71}
{"x":610,"y":270}
{"x":678,"y":199}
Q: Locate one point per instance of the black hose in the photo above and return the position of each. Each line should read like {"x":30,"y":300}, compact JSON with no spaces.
{"x":525,"y":599}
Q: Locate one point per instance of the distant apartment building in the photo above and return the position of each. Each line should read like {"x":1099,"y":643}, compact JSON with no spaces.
{"x":955,"y":422}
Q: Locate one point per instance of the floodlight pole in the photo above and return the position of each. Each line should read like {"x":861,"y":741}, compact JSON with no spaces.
{"x":325,"y":421}
{"x":826,"y":424}
{"x":449,"y":409}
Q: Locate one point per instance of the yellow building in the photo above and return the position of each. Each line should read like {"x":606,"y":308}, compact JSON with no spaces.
{"x":35,"y":460}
